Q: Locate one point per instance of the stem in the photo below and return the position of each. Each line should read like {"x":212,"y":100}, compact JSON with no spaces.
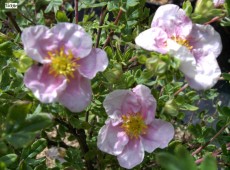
{"x":102,"y":17}
{"x":212,"y":139}
{"x":181,"y":89}
{"x":76,"y":11}
{"x":26,"y":18}
{"x":9,"y":15}
{"x":213,"y":20}
{"x":81,"y":137}
{"x":111,"y":32}
{"x":214,"y":154}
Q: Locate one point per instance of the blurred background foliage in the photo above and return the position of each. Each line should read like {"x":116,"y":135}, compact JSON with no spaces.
{"x":47,"y":136}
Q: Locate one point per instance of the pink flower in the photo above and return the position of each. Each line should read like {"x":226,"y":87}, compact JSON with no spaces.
{"x":131,"y":127}
{"x":196,"y":46}
{"x":67,"y":63}
{"x":218,"y":2}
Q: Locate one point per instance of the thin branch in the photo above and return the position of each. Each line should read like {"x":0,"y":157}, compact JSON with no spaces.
{"x":102,"y":18}
{"x":26,"y":18}
{"x":76,"y":11}
{"x":181,"y":89}
{"x":81,"y":138}
{"x":112,"y":32}
{"x":214,"y":154}
{"x":9,"y":15}
{"x":212,"y":139}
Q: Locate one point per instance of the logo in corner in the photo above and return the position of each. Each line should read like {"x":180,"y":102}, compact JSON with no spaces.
{"x":11,"y":5}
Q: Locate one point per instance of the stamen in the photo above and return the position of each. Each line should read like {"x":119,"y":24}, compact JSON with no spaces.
{"x":134,"y":125}
{"x":62,"y":63}
{"x":182,"y":41}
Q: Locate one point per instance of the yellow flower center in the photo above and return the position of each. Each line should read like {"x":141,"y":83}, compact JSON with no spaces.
{"x":134,"y":125}
{"x":62,"y":63}
{"x":182,"y":41}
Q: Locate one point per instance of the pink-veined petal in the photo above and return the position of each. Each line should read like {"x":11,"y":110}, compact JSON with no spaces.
{"x":159,"y":134}
{"x":132,"y":155}
{"x":153,"y":39}
{"x":73,"y":37}
{"x":96,"y":61}
{"x":37,"y":41}
{"x":111,"y":139}
{"x":208,"y":71}
{"x":147,"y":101}
{"x":44,"y":86}
{"x":172,"y":20}
{"x":77,"y":94}
{"x":121,"y":102}
{"x":206,"y":38}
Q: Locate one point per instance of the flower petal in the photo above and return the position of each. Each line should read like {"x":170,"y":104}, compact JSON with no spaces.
{"x":96,"y":61}
{"x":73,"y":37}
{"x":44,"y":86}
{"x":208,"y":72}
{"x":37,"y":41}
{"x":159,"y":134}
{"x":121,"y":102}
{"x":152,"y":39}
{"x":77,"y":94}
{"x":132,"y":155}
{"x":218,"y":2}
{"x":187,"y":60}
{"x":111,"y":139}
{"x":206,"y":38}
{"x":148,"y":102}
{"x":172,"y":20}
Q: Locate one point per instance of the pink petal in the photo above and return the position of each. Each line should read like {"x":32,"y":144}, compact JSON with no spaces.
{"x":77,"y":94}
{"x":153,"y":39}
{"x":208,"y":72}
{"x":159,"y":134}
{"x":73,"y":37}
{"x":147,"y":101}
{"x":121,"y":102}
{"x":96,"y":61}
{"x":112,"y":139}
{"x":132,"y":155}
{"x":187,"y":60}
{"x":37,"y":41}
{"x":206,"y":38}
{"x":44,"y":86}
{"x":218,"y":2}
{"x":172,"y":20}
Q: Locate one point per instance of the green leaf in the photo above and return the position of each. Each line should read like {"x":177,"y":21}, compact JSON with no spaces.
{"x":23,"y":62}
{"x":181,"y":160}
{"x":168,"y":161}
{"x":9,"y":159}
{"x":17,"y":113}
{"x":20,"y":139}
{"x":36,"y":122}
{"x":187,"y":7}
{"x":226,"y":75}
{"x":131,"y":3}
{"x":225,"y":111}
{"x":37,"y":147}
{"x":61,"y":16}
{"x":113,"y":5}
{"x":209,"y":163}
{"x":189,"y":107}
{"x":54,"y":4}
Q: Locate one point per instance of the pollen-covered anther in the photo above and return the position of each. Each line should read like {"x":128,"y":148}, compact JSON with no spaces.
{"x":63,"y":63}
{"x":182,"y":41}
{"x":134,"y":125}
